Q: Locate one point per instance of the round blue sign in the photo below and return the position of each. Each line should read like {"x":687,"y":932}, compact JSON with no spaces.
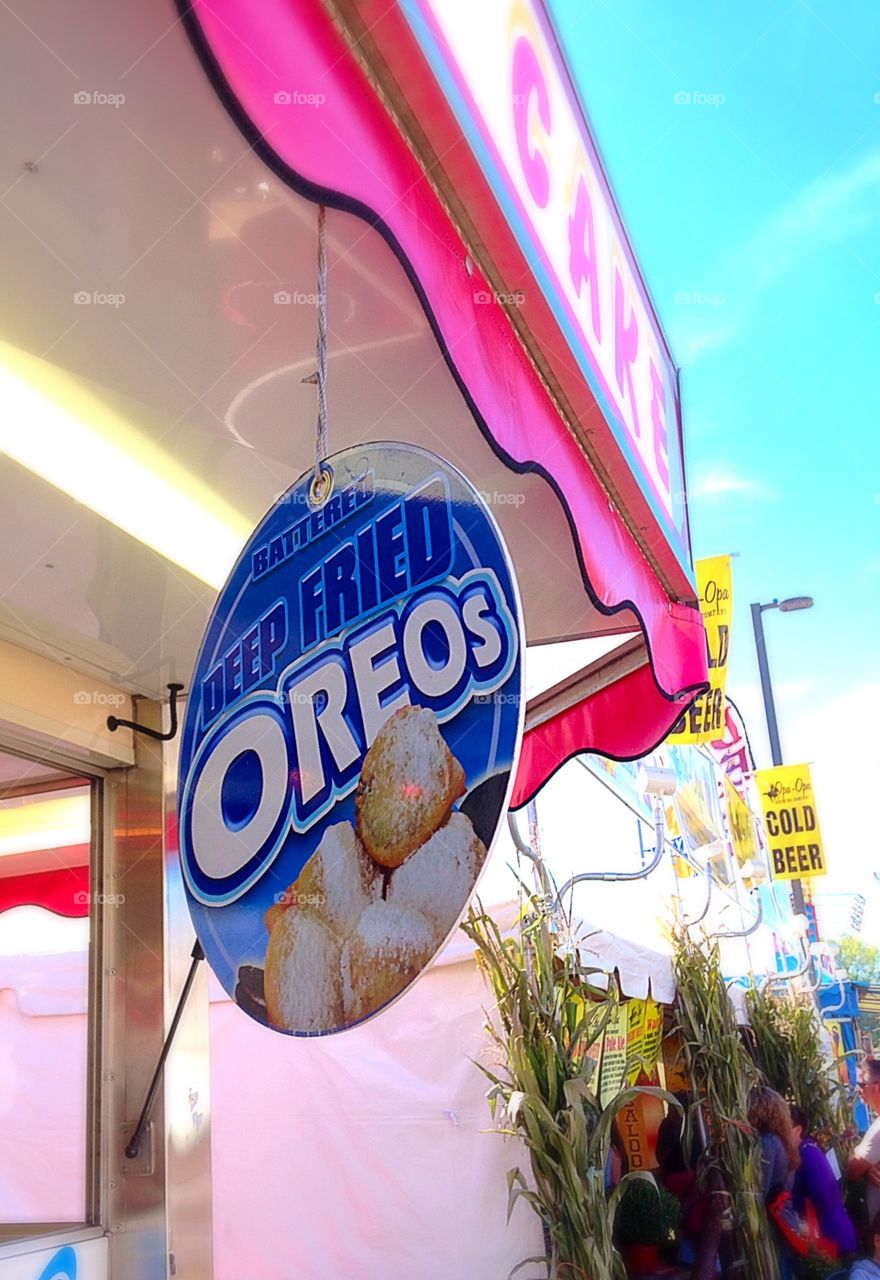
{"x":350,"y":738}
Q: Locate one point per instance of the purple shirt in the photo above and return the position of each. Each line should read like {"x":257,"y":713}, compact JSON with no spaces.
{"x":815,"y":1181}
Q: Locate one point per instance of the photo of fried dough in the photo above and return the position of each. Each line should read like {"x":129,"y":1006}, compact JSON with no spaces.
{"x":409,"y":782}
{"x":303,"y":985}
{"x":375,"y":901}
{"x":389,"y":947}
{"x":438,"y":878}
{"x":339,"y":881}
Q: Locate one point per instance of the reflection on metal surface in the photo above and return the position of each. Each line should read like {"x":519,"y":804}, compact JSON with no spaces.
{"x":187,"y":1071}
{"x":133,"y":1014}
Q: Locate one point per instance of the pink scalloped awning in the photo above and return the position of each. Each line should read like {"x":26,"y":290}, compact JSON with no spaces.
{"x":64,"y":891}
{"x":350,"y":156}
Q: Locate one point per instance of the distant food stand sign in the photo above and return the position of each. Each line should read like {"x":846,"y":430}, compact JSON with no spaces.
{"x":350,"y":739}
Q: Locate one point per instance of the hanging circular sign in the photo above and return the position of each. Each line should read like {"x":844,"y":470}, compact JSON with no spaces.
{"x":350,"y":738}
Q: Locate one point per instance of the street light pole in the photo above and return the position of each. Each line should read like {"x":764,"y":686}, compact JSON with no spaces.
{"x":766,"y":686}
{"x":785,"y":606}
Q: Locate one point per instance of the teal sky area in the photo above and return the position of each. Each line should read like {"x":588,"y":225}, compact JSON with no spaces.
{"x":743,"y":144}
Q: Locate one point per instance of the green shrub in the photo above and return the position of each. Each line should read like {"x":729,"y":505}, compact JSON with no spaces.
{"x":646,"y":1213}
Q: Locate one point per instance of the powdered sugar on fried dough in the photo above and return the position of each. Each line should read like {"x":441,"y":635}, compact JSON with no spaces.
{"x":339,"y":881}
{"x":387,"y":950}
{"x":302,"y":977}
{"x":438,"y":878}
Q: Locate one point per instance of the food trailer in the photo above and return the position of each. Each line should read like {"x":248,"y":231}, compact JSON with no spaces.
{"x":243,"y":244}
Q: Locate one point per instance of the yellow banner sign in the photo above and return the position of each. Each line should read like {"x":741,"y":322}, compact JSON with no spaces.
{"x":644,"y":1025}
{"x":613,"y":1069}
{"x":741,"y":824}
{"x":589,"y":1053}
{"x":653,"y":1033}
{"x":704,"y":718}
{"x":635,"y":1039}
{"x":794,"y":839}
{"x":675,"y":1064}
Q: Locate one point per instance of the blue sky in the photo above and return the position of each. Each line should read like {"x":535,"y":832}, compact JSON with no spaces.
{"x":764,"y":206}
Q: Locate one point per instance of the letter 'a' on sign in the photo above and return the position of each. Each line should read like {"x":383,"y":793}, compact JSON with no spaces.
{"x":794,"y":840}
{"x":350,"y":739}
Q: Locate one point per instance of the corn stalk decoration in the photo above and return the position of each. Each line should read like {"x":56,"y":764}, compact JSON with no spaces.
{"x":723,"y":1075}
{"x":791,"y":1055}
{"x":545,"y":1022}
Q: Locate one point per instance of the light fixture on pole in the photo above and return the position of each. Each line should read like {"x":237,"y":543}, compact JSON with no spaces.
{"x":790,"y":605}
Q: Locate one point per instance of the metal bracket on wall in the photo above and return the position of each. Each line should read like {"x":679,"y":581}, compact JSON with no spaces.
{"x":113,"y":723}
{"x":133,"y":1146}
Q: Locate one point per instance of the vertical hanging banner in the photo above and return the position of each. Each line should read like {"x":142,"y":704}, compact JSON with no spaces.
{"x":653,"y":1034}
{"x":794,"y":838}
{"x":350,"y":738}
{"x":834,"y":1027}
{"x":635,"y":1039}
{"x":644,"y":1026}
{"x":704,"y":718}
{"x":613,"y":1069}
{"x":675,"y":1069}
{"x":740,"y":825}
{"x":590,"y":1049}
{"x":696,"y":803}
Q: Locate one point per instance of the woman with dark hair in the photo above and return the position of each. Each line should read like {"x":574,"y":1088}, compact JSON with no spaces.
{"x":768,"y":1113}
{"x":814,"y":1182}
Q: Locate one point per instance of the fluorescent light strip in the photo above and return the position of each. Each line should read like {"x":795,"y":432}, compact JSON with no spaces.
{"x":62,"y":431}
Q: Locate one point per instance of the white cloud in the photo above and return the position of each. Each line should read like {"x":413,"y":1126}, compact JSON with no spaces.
{"x":836,"y":205}
{"x":719,"y":480}
{"x":833,"y":207}
{"x":696,"y":345}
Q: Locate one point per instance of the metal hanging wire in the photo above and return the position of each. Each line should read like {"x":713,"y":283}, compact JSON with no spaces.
{"x":322,"y":478}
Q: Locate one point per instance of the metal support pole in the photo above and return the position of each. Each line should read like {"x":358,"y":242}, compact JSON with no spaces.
{"x":797,"y":891}
{"x":134,"y":1142}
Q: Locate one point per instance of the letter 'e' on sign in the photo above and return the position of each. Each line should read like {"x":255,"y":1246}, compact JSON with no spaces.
{"x":794,"y":839}
{"x":350,"y":739}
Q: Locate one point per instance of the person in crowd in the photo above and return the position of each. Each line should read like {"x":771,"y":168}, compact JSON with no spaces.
{"x":869,"y":1268}
{"x":676,"y":1175}
{"x":865,"y":1160}
{"x":768,"y":1113}
{"x":815,"y":1183}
